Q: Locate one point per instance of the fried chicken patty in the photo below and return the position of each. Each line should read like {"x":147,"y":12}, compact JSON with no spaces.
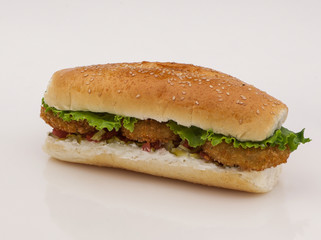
{"x":144,"y":131}
{"x":73,"y":126}
{"x":246,"y":159}
{"x":150,"y":131}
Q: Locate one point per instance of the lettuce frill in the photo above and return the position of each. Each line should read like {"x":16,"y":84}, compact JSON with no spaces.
{"x":281,"y":138}
{"x":97,"y":120}
{"x":195,"y":136}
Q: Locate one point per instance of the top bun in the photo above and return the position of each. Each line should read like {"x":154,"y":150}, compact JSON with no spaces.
{"x":187,"y":94}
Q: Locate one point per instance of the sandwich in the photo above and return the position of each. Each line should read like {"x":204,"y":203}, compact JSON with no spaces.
{"x":172,"y":120}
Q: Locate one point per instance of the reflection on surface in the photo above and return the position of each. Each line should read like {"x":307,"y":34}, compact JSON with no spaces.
{"x":88,"y":202}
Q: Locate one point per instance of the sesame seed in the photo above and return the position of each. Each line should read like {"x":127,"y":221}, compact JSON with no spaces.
{"x":184,"y":92}
{"x":211,"y":86}
{"x":272,"y":113}
{"x":243,"y":97}
{"x":155,"y":75}
{"x":218,"y":90}
{"x":87,"y":82}
{"x":182,"y":98}
{"x":173,"y":98}
{"x":171,"y":84}
{"x":92,"y":79}
{"x":264,"y":104}
{"x":85,"y":75}
{"x":240,"y":121}
{"x":222,"y":87}
{"x":258,"y":111}
{"x":197,"y":102}
{"x":89,"y":90}
{"x":118,"y":91}
{"x":262,"y":107}
{"x":220,"y":99}
{"x":82,"y":71}
{"x":273,"y":105}
{"x":137,"y":96}
{"x":250,"y":89}
{"x":227,"y":93}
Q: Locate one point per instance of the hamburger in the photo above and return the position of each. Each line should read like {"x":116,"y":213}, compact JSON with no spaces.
{"x":172,"y":120}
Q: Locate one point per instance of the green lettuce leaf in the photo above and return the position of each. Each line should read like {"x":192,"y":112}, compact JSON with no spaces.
{"x":97,"y":120}
{"x":281,"y":138}
{"x":129,"y":123}
{"x":197,"y":137}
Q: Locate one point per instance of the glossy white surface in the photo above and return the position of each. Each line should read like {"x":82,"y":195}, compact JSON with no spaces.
{"x":275,"y":46}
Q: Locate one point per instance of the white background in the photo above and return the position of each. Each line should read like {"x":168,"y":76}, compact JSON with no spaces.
{"x":275,"y":45}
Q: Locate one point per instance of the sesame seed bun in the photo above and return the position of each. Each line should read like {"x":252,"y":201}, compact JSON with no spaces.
{"x":187,"y":94}
{"x":161,"y":163}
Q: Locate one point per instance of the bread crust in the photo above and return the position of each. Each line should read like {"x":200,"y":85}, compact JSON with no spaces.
{"x":187,"y":94}
{"x":161,"y":163}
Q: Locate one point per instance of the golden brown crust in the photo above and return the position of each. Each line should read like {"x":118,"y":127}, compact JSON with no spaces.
{"x":256,"y":159}
{"x":187,"y":94}
{"x":81,"y":126}
{"x":150,"y":131}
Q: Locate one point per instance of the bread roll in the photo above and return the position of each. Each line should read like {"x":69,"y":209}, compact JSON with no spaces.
{"x":187,"y":94}
{"x":161,"y":163}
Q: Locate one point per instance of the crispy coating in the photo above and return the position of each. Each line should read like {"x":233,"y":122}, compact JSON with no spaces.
{"x":150,"y":131}
{"x":246,"y":159}
{"x":73,"y":126}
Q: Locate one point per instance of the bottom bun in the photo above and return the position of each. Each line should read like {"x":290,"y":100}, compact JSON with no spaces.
{"x":161,"y":163}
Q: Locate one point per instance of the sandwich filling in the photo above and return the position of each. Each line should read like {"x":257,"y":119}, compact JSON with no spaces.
{"x":225,"y":151}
